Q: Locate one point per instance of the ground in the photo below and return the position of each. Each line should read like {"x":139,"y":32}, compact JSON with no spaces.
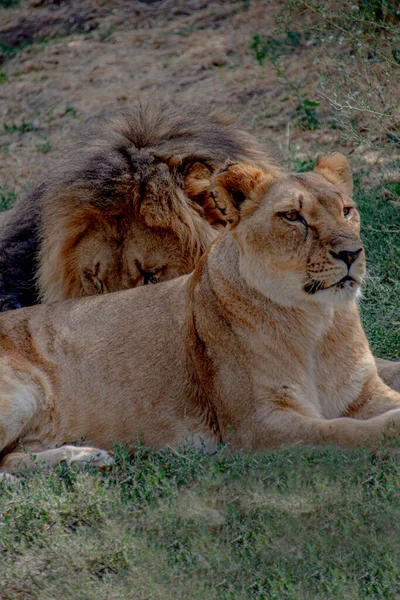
{"x":307,"y":78}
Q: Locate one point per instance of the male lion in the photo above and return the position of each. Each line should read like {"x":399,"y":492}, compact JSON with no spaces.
{"x":125,"y":207}
{"x":260,"y":346}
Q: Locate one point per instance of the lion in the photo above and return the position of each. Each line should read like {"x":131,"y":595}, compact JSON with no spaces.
{"x":126,"y":206}
{"x":261,"y":346}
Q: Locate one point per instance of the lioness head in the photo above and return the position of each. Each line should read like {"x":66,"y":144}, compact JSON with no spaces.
{"x":298,"y":234}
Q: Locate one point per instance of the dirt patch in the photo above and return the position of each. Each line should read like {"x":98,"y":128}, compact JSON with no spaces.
{"x":27,"y":31}
{"x":68,"y":60}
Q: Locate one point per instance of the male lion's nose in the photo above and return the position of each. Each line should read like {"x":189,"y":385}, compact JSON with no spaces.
{"x":347,"y":256}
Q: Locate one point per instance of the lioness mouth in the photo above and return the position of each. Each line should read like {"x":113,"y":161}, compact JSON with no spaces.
{"x":316,"y":286}
{"x":313,"y":287}
{"x":342,"y":282}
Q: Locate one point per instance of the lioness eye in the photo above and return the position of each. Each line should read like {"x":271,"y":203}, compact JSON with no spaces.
{"x":346,"y":211}
{"x":293,"y":215}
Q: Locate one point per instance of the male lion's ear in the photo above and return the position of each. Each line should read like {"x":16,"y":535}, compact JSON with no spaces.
{"x":238,"y":188}
{"x":194,"y":178}
{"x":196,"y":181}
{"x":336,"y":169}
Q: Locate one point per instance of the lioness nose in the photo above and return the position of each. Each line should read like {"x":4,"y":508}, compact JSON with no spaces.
{"x":347,"y":256}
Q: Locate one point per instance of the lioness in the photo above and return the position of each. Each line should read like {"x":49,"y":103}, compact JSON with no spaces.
{"x":261,"y":346}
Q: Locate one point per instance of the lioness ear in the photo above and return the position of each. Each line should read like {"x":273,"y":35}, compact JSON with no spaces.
{"x":336,"y":169}
{"x":238,"y":189}
{"x":192,"y":174}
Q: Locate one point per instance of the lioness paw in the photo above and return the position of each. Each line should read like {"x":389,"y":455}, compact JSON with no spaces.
{"x":88,"y":456}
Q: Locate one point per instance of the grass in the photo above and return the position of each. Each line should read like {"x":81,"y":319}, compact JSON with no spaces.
{"x":45,"y":147}
{"x":289,"y":524}
{"x":24,"y":127}
{"x":9,"y":3}
{"x":380,"y":308}
{"x":7,"y":197}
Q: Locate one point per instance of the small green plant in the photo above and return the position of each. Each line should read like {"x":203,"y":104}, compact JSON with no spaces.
{"x":24,"y":127}
{"x":70,"y":111}
{"x":106,"y":33}
{"x":7,"y":197}
{"x":3,"y":76}
{"x":306,"y":115}
{"x":9,"y":3}
{"x":45,"y":147}
{"x":273,"y":47}
{"x":379,"y":10}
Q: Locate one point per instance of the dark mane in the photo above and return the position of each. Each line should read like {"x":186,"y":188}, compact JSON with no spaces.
{"x":123,"y":145}
{"x":19,"y":243}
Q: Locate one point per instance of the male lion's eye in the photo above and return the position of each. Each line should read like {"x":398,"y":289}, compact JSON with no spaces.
{"x":347,"y":211}
{"x":151,"y":276}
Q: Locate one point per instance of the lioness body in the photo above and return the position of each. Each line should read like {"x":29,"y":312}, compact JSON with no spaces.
{"x":214,"y":355}
{"x":112,"y":384}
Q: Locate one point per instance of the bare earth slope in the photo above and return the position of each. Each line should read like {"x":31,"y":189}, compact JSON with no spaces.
{"x":62,"y":61}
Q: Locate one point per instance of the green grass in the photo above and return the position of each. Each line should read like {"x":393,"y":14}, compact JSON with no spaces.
{"x":24,"y":127}
{"x":9,"y":3}
{"x":7,"y":197}
{"x":380,"y":307}
{"x":300,"y":523}
{"x":45,"y":147}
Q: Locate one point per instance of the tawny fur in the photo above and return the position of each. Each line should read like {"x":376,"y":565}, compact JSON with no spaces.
{"x":248,"y":349}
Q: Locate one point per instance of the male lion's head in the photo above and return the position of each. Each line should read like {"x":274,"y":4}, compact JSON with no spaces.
{"x":129,"y":206}
{"x":299,"y":234}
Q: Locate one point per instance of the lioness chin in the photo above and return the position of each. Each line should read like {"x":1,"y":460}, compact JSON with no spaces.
{"x":261,"y":346}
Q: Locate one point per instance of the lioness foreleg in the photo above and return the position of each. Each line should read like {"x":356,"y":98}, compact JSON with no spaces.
{"x":375,"y":399}
{"x":18,"y":405}
{"x":286,"y":426}
{"x":72,"y":455}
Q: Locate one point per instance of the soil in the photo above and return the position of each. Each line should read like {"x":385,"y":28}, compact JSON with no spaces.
{"x":62,"y":61}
